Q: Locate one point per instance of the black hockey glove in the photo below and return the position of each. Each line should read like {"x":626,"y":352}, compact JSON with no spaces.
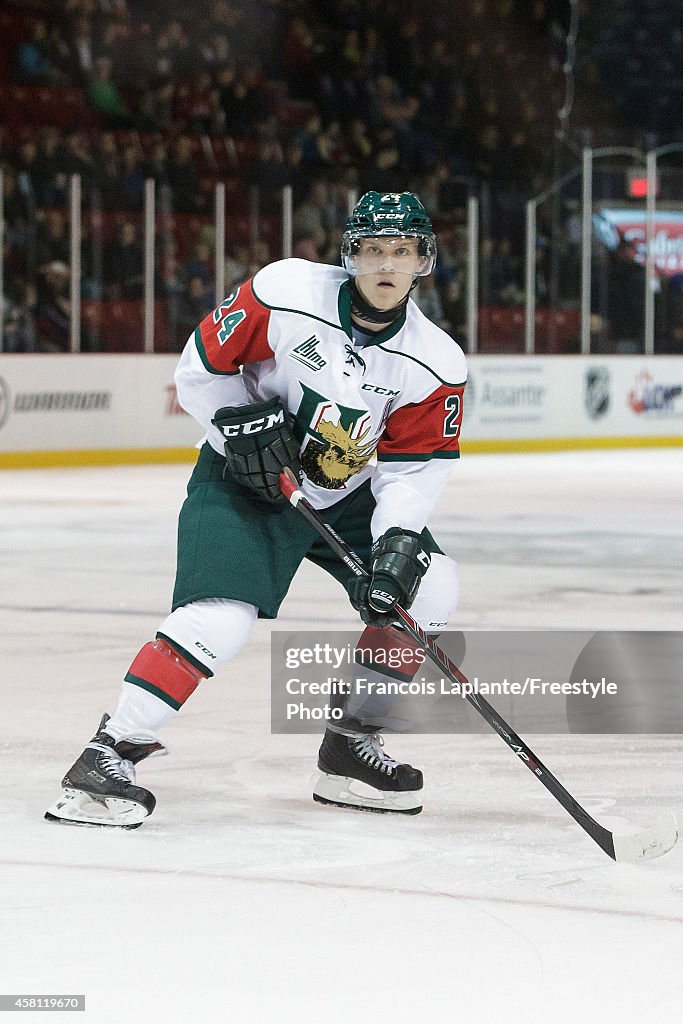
{"x":399,"y":561}
{"x":259,"y":443}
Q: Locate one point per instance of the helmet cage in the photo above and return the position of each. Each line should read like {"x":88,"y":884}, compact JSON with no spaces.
{"x":426,"y":248}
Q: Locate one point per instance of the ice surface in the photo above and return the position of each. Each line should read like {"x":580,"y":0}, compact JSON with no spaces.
{"x":241,"y":900}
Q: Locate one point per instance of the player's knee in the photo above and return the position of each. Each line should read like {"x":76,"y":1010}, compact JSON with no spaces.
{"x":437,"y":598}
{"x":211,"y":631}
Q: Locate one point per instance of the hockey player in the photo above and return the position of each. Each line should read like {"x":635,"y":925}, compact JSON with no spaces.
{"x":334,"y":372}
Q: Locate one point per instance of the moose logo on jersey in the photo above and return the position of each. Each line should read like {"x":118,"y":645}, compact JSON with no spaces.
{"x":336,"y":442}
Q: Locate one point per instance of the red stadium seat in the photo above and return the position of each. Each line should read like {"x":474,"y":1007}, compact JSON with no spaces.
{"x":119,"y":326}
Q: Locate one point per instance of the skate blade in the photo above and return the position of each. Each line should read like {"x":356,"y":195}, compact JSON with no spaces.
{"x":341,"y":791}
{"x":77,"y":808}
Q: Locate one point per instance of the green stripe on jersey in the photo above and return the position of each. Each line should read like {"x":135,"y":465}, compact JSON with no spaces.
{"x":205,"y":359}
{"x":416,"y":456}
{"x":406,"y":355}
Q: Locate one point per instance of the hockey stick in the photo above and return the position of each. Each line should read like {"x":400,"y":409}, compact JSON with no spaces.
{"x":644,"y":845}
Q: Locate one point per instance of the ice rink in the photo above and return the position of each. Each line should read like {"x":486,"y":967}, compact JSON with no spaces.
{"x":240,"y":899}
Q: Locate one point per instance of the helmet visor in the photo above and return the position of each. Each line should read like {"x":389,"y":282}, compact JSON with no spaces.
{"x":412,"y":255}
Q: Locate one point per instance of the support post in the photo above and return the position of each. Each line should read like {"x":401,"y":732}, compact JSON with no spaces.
{"x":586,"y":250}
{"x":75,"y":264}
{"x":472,"y":273}
{"x":530,"y":312}
{"x":287,"y":221}
{"x":150,"y":219}
{"x":219,"y":231}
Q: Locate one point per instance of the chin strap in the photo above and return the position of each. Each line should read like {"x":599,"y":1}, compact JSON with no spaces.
{"x":362,"y":309}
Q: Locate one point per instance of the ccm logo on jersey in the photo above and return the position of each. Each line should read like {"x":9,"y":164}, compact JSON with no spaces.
{"x":274,"y":419}
{"x":377,"y":390}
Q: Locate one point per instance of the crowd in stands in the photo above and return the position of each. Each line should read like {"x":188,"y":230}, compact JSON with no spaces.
{"x":328,"y":96}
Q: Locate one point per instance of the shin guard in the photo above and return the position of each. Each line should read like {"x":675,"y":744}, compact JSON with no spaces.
{"x":390,"y":651}
{"x":165,"y":673}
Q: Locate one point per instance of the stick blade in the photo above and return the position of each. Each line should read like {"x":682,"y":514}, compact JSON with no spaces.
{"x":652,"y":842}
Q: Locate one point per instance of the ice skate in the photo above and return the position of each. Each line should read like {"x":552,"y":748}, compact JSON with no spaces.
{"x":355,"y":772}
{"x":100,"y":789}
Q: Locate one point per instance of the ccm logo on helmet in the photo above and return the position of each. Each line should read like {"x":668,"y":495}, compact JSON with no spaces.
{"x":273,"y":419}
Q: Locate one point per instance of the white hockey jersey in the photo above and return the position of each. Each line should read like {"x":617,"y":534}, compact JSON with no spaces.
{"x":389,"y":410}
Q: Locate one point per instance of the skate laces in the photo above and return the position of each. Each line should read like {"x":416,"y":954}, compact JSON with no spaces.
{"x":370,"y":750}
{"x":115,"y":766}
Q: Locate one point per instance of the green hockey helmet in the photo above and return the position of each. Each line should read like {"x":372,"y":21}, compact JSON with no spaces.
{"x":389,"y":215}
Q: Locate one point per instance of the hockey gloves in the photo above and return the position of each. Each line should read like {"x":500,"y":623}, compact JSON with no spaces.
{"x":259,"y":443}
{"x":399,"y":561}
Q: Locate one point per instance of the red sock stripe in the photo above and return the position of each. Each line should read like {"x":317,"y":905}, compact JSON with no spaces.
{"x":165,"y":672}
{"x":390,"y":651}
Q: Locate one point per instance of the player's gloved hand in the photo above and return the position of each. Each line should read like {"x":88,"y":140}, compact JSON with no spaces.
{"x":399,"y":561}
{"x":259,"y":443}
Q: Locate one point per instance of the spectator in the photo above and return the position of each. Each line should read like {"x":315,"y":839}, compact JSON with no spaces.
{"x":195,"y":303}
{"x":53,"y":312}
{"x":53,"y":244}
{"x":17,"y":214}
{"x":236,"y":268}
{"x":405,"y":57}
{"x":78,"y":156}
{"x":104,"y":95}
{"x":182,"y":177}
{"x":491,"y":159}
{"x":298,"y":58}
{"x":20,"y":334}
{"x":331,"y":145}
{"x":156,"y":165}
{"x":311,"y":216}
{"x":183,"y":60}
{"x":215,"y":50}
{"x":155,"y":107}
{"x":132,"y":178}
{"x":309,"y":246}
{"x":48,"y":171}
{"x":82,"y":50}
{"x":58,"y":53}
{"x":505,"y":275}
{"x":307,"y":140}
{"x":31,"y":62}
{"x":429,"y":301}
{"x":270,"y":173}
{"x":373,"y":56}
{"x":25,"y":162}
{"x":387,"y":169}
{"x":198,"y":104}
{"x":124,"y":264}
{"x":391,"y":108}
{"x":294,"y":155}
{"x":358,"y":143}
{"x":243,"y":101}
{"x":199,"y":265}
{"x":107,"y":170}
{"x":91,"y":256}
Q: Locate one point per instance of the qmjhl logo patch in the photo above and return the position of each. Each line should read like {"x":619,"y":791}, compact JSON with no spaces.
{"x":306,"y":353}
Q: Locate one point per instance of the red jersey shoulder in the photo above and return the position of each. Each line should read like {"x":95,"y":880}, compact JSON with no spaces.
{"x":235,"y":333}
{"x":424,"y":430}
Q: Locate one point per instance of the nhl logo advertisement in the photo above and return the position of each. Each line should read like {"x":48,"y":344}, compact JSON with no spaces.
{"x":554,"y":403}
